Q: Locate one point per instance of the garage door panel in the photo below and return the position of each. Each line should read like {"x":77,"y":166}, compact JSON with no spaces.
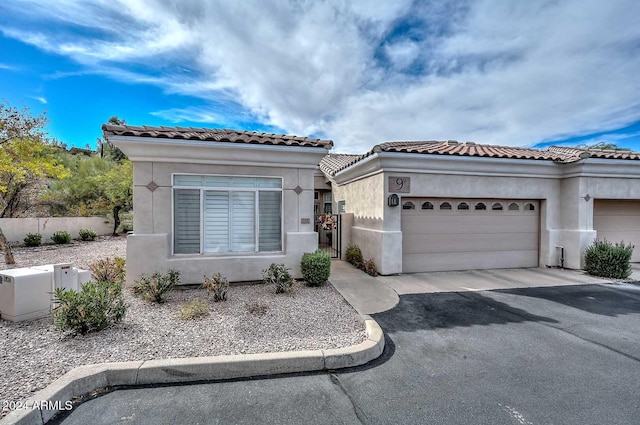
{"x":437,"y":240}
{"x":468,"y":224}
{"x":469,"y":242}
{"x":618,"y":221}
{"x":608,"y":208}
{"x":627,"y":236}
{"x":414,"y":263}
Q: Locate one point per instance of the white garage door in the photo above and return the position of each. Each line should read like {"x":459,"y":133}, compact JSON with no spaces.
{"x":618,"y":221}
{"x":464,"y":234}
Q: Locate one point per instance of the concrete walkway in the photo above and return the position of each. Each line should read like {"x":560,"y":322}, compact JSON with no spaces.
{"x":370,"y":295}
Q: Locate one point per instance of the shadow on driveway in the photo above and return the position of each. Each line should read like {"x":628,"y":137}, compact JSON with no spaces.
{"x":596,"y":299}
{"x":420,"y":312}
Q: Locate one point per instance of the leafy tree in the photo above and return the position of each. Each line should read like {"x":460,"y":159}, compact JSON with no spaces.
{"x":26,"y":156}
{"x":98,"y":185}
{"x":108,"y":149}
{"x":602,"y":145}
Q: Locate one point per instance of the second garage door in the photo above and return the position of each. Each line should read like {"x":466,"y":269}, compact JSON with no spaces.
{"x":618,"y":221}
{"x":464,"y":234}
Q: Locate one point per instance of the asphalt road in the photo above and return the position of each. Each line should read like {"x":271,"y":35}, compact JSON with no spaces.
{"x":558,"y":355}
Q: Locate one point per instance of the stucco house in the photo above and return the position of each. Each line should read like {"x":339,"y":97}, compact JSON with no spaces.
{"x":234,"y":202}
{"x":209,"y":201}
{"x":445,"y":205}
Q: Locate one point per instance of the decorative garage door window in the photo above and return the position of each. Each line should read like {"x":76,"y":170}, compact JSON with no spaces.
{"x":224,"y":214}
{"x":484,"y":206}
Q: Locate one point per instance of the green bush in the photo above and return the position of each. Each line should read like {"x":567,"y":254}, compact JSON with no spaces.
{"x":95,"y":307}
{"x":125,"y":228}
{"x":88,"y":234}
{"x":33,"y":239}
{"x":108,"y":270}
{"x":61,"y":237}
{"x":316,"y":267}
{"x":154,"y":287}
{"x":354,"y":255}
{"x":278,"y":275}
{"x":194,"y":309}
{"x":217,"y":285}
{"x":606,"y":259}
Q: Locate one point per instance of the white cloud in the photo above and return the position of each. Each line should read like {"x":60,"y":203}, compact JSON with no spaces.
{"x":402,"y":53}
{"x":511,"y":73}
{"x":40,"y":99}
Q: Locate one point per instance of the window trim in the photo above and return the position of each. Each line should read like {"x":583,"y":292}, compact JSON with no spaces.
{"x":255,"y":190}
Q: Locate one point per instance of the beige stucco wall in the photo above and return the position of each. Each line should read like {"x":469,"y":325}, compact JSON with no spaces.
{"x":371,"y":231}
{"x":566,"y":217}
{"x":15,"y":229}
{"x":150,"y":248}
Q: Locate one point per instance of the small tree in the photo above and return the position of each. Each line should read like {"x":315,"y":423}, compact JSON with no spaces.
{"x":26,"y":155}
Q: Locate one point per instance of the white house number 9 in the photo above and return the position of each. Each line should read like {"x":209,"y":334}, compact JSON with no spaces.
{"x":399,"y":184}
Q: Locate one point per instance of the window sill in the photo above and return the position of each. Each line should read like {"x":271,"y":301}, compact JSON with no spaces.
{"x":210,"y":255}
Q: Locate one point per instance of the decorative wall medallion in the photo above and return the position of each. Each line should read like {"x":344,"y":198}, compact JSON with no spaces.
{"x":298,"y":190}
{"x":152,"y":186}
{"x":587,"y":197}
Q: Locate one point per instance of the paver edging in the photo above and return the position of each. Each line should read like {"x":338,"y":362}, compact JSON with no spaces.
{"x":89,"y":378}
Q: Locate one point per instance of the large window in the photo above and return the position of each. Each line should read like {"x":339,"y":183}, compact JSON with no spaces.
{"x":226,"y":214}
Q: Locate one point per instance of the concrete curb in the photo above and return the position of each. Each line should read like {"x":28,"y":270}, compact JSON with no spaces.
{"x":85,"y":379}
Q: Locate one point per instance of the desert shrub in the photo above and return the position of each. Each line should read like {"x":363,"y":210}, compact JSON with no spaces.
{"x":603,"y":258}
{"x":88,"y":234}
{"x":95,"y":307}
{"x":194,"y":309}
{"x":278,"y":275}
{"x":33,"y":239}
{"x":61,"y":237}
{"x":125,"y":228}
{"x":369,"y":267}
{"x":154,"y":287}
{"x":259,"y":308}
{"x":316,"y":267}
{"x":108,"y":270}
{"x":353,"y":255}
{"x":217,"y":285}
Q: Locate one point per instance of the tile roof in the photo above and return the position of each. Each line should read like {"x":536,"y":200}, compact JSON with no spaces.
{"x":558,"y":154}
{"x":214,"y":135}
{"x":333,"y":162}
{"x":598,"y":153}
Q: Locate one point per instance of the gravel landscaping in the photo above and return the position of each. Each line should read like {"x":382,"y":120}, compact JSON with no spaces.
{"x":33,"y":354}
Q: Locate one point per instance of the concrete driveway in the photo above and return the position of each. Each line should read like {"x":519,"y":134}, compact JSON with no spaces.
{"x":564,"y":354}
{"x":482,"y":280}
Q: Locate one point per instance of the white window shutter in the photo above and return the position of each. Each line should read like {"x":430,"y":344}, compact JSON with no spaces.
{"x":216,"y":221}
{"x":243,"y":210}
{"x":270,"y":234}
{"x":186,"y":231}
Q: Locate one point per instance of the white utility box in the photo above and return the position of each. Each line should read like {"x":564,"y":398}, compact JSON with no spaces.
{"x":65,"y":276}
{"x":25,"y":294}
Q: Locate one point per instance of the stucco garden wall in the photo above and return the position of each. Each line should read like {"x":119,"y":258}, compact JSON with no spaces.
{"x":15,"y":229}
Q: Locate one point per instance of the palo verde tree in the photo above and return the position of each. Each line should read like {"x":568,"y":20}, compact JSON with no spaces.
{"x":26,"y":155}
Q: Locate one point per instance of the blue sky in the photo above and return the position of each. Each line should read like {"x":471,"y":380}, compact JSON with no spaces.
{"x":359,"y":72}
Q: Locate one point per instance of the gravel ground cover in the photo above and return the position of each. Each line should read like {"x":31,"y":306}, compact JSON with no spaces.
{"x":33,"y":354}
